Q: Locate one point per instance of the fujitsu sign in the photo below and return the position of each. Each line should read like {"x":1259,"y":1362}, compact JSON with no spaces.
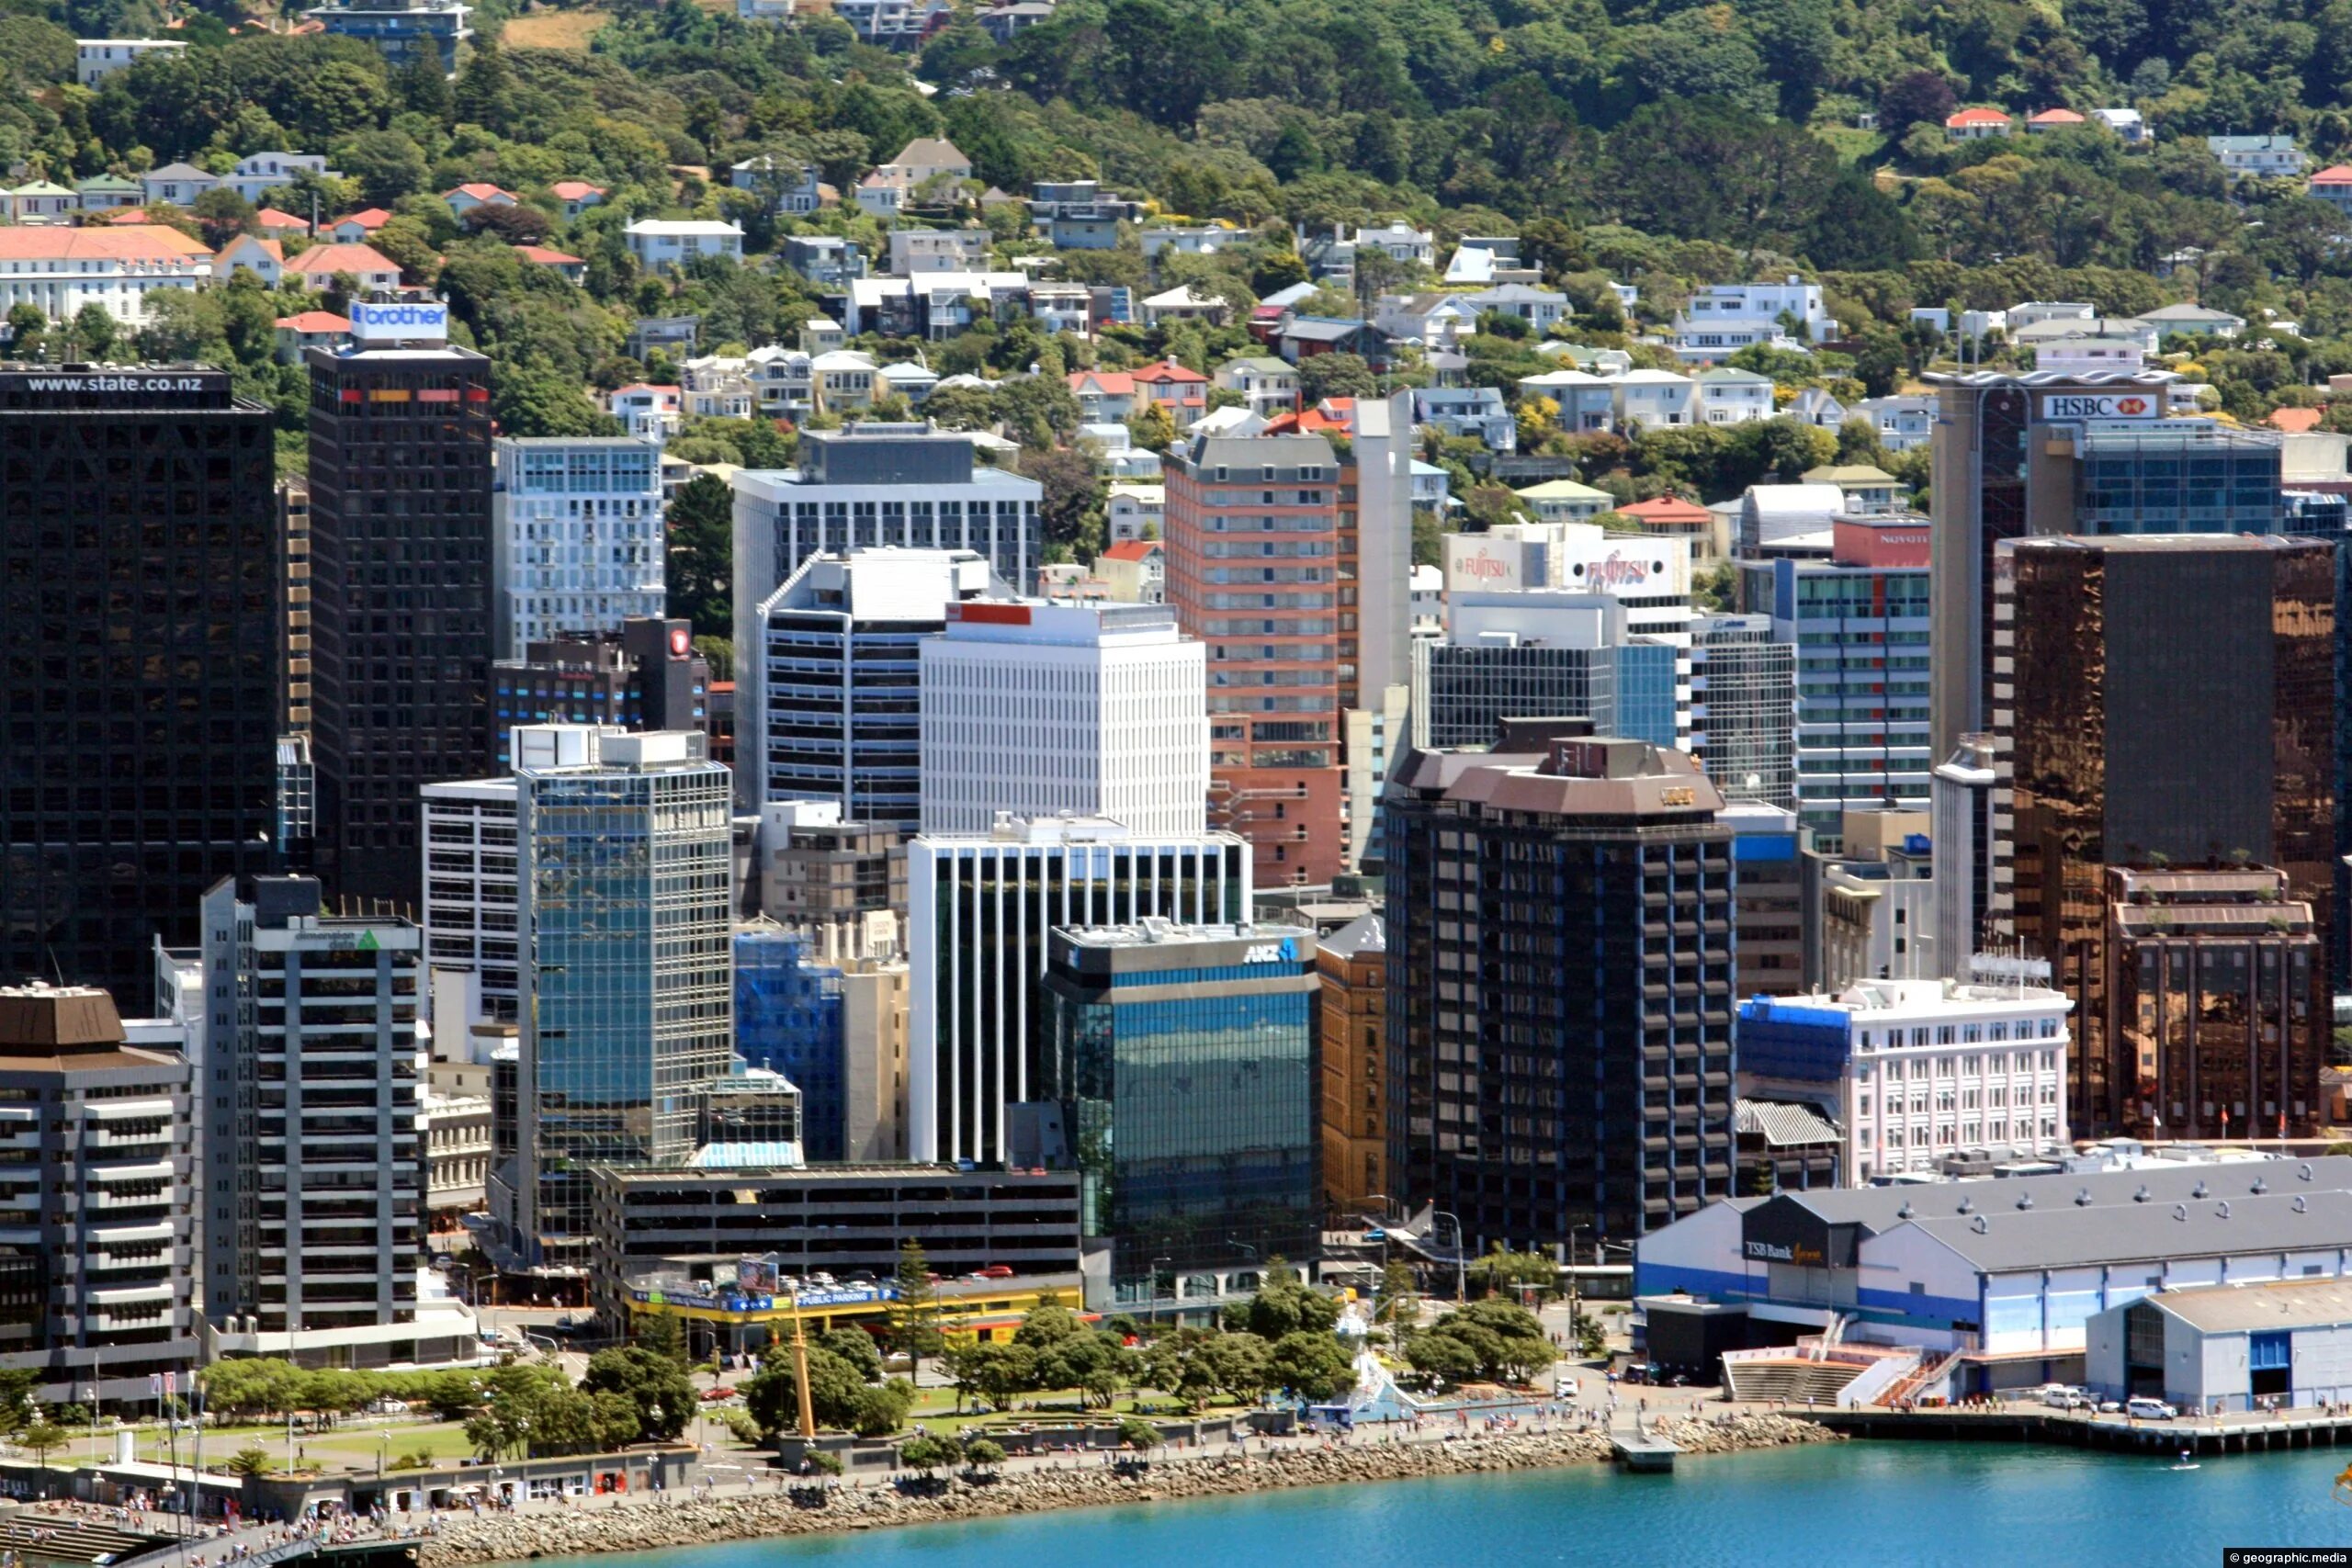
{"x":1473,"y":563}
{"x":2101,"y":405}
{"x":401,"y":321}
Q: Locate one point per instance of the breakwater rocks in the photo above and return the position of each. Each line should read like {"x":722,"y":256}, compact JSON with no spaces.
{"x":646,"y":1525}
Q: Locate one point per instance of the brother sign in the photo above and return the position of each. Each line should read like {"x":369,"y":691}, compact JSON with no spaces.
{"x":401,"y":321}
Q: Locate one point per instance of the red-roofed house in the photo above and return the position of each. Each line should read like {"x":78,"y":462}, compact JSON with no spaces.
{"x":1104,"y":397}
{"x":574,"y":268}
{"x":466,"y":198}
{"x":2333,"y":187}
{"x":1332,"y":416}
{"x":311,"y":329}
{"x":2052,"y":119}
{"x":1678,"y":519}
{"x":1975,"y":125}
{"x":372,"y":268}
{"x":1183,"y":393}
{"x":355,"y":229}
{"x":275,"y":223}
{"x":2294,"y":421}
{"x":63,"y":269}
{"x":577,"y":196}
{"x":1134,"y":572}
{"x":265,"y":259}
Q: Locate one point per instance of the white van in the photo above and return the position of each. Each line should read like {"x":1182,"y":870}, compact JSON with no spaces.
{"x":2149,"y":1410}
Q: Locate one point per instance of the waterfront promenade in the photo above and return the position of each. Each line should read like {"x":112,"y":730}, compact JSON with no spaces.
{"x":2244,"y":1432}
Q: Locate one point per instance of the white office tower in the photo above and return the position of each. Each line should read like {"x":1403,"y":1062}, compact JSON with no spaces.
{"x":1081,"y":710}
{"x":471,"y":937}
{"x":577,"y":541}
{"x":829,"y":708}
{"x":978,"y":907}
{"x":1383,"y":527}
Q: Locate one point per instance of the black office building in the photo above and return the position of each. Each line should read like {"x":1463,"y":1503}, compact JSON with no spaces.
{"x":400,"y":549}
{"x":1560,"y":987}
{"x":645,"y":676}
{"x":138,"y":562}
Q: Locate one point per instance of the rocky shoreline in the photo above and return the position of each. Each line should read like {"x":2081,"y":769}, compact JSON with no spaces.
{"x":467,"y":1539}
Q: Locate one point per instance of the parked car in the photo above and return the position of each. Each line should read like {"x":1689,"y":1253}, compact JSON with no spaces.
{"x":2149,"y":1410}
{"x":997,"y":1272}
{"x":713,"y":1395}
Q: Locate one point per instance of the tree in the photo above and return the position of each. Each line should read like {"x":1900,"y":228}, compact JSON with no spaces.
{"x":656,"y":1387}
{"x":515,"y":224}
{"x":1312,"y":1366}
{"x":1502,"y":1271}
{"x":1072,"y":507}
{"x":983,"y":1454}
{"x":544,"y":402}
{"x":926,"y":1453}
{"x":700,"y":561}
{"x":1325,"y":376}
{"x":94,"y":334}
{"x":661,"y":1334}
{"x":1396,"y":1300}
{"x":1239,"y":1364}
{"x":771,"y":1395}
{"x":1152,"y":427}
{"x":1286,"y":1304}
{"x":42,"y":1438}
{"x":1916,"y":97}
{"x":914,"y":1316}
{"x":250,"y":1462}
{"x":1492,"y":1338}
{"x":855,"y":1347}
{"x":1137,"y":1433}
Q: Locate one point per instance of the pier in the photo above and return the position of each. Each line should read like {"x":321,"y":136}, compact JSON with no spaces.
{"x":2201,"y":1435}
{"x":1639,"y":1450}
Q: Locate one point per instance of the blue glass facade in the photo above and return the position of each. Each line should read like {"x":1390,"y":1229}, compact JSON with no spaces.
{"x":788,"y":1019}
{"x":1778,"y":1040}
{"x":1191,"y":1104}
{"x":2176,"y":477}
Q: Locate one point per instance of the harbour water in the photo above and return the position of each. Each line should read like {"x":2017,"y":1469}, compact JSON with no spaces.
{"x":1922,"y":1504}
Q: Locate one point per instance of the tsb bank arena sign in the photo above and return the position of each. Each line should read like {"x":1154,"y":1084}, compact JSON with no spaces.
{"x":2102,"y":405}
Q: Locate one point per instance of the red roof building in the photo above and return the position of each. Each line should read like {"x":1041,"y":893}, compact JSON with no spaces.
{"x":2294,"y":421}
{"x":273,"y":221}
{"x":2052,"y":119}
{"x":1972,"y":124}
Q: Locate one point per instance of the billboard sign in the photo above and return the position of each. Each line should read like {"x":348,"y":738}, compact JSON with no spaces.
{"x":1630,"y":567}
{"x":2138,"y":403}
{"x":1475,"y":564}
{"x":402,"y":321}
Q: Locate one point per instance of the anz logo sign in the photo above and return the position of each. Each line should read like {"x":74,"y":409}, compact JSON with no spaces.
{"x":1283,"y":951}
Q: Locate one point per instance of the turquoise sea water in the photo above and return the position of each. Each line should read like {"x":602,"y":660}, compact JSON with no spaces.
{"x":1899,"y":1505}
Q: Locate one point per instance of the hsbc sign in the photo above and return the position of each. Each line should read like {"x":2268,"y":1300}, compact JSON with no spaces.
{"x":2101,"y":405}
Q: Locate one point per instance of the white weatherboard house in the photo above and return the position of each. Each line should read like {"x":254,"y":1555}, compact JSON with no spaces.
{"x":672,"y":242}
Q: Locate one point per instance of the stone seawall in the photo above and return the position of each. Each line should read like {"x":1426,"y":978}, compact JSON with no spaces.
{"x":647,"y":1526}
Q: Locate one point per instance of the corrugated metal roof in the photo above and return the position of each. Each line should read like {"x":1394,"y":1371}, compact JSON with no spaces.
{"x":2005,"y":1238}
{"x":2286,"y":1304}
{"x":1785,"y":1123}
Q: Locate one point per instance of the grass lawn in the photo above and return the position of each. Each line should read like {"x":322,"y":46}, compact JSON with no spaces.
{"x":934,"y":1410}
{"x":1854,"y":146}
{"x":554,"y":29}
{"x":355,"y":1444}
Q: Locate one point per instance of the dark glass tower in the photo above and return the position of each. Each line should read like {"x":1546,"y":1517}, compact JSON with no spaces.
{"x":399,"y":611}
{"x":1560,"y":979}
{"x":139,"y":575}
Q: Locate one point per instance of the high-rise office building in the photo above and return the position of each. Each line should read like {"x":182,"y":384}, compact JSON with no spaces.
{"x":1859,"y":622}
{"x":472,"y":937}
{"x":2213,"y":1015}
{"x":1770,"y":905}
{"x":97,"y":1269}
{"x":1542,"y":654}
{"x":833,"y":679}
{"x":874,"y":485}
{"x":1353,"y":966}
{"x":294,"y":538}
{"x":1376,"y":550}
{"x":141,"y":694}
{"x":2051,"y":453}
{"x":1559,"y":918}
{"x":1254,"y":574}
{"x":980,"y":908}
{"x":1960,"y":826}
{"x":629,"y":997}
{"x":1080,"y":710}
{"x":843,"y":885}
{"x":400,"y":606}
{"x":789,"y":1020}
{"x":313,"y":1225}
{"x":579,"y":543}
{"x":2157,"y":700}
{"x":645,"y":675}
{"x":1183,"y":1063}
{"x":1743,"y":708}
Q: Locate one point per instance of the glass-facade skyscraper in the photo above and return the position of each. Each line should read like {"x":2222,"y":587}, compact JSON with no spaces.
{"x":1186,"y":1061}
{"x":628,"y":995}
{"x":788,"y":1019}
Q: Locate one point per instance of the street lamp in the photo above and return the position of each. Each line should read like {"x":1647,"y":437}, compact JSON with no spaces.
{"x":653,"y":1419}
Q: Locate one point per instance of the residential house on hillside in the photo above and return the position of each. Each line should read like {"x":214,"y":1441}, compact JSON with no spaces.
{"x":464,"y":199}
{"x":104,"y":193}
{"x":1975,"y":124}
{"x":176,"y":184}
{"x":307,"y":330}
{"x":1792,"y":298}
{"x":658,"y":243}
{"x":2052,"y":119}
{"x":893,"y":24}
{"x":1563,"y":501}
{"x":1133,"y":572}
{"x":2192,"y":321}
{"x":265,"y":259}
{"x":2129,"y":124}
{"x":1270,"y":384}
{"x":2034,"y":312}
{"x":1817,"y":408}
{"x":259,"y":172}
{"x":1541,"y":308}
{"x":1902,"y":421}
{"x":1869,"y":491}
{"x":1304,"y":337}
{"x":1432,"y":318}
{"x":1401,"y":241}
{"x":1103,"y":396}
{"x":1079,"y":215}
{"x":2082,"y":353}
{"x":570,"y":268}
{"x":1132,"y":511}
{"x":358,"y":227}
{"x":2258,"y":156}
{"x":1586,"y":403}
{"x":826,"y":260}
{"x":898,"y":183}
{"x":1188,"y":240}
{"x":647,"y":411}
{"x":792,"y":186}
{"x":96,"y":58}
{"x":401,"y":31}
{"x":914,"y":251}
{"x":1184,"y":303}
{"x":1006,"y":20}
{"x":1733,"y":397}
{"x":577,"y":196}
{"x":1182,"y":391}
{"x":1476,"y":412}
{"x":36,"y":202}
{"x":763,"y":10}
{"x":1649,"y":399}
{"x":276,"y":224}
{"x":716,"y":386}
{"x":1484,"y":261}
{"x":1584,"y":356}
{"x":365,"y":264}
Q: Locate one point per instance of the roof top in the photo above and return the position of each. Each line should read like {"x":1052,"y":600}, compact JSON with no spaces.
{"x":2273,"y":1303}
{"x":481,"y":190}
{"x":1562,"y":489}
{"x":1365,"y":933}
{"x":545,"y":256}
{"x":572,"y":190}
{"x":314,"y":321}
{"x":1849,"y":474}
{"x":1667,"y":509}
{"x":2003,"y":1237}
{"x":181,"y":172}
{"x":367,"y":218}
{"x":1165,"y":371}
{"x":2294,"y":421}
{"x":1134,"y":549}
{"x":1882,"y":1207}
{"x":1977,"y":116}
{"x":2056,"y":117}
{"x":1785,"y":1123}
{"x":934,"y":151}
{"x":325,"y":260}
{"x":124,"y":243}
